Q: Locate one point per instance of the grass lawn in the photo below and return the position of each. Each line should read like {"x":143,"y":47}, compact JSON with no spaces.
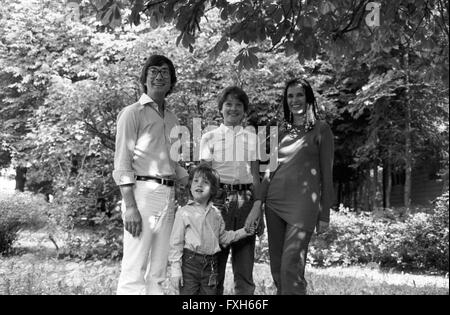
{"x":35,"y":271}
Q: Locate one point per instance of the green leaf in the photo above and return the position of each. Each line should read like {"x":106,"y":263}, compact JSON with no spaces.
{"x":289,"y":49}
{"x":107,"y":16}
{"x":102,"y":4}
{"x":224,"y":14}
{"x":136,"y":10}
{"x":221,"y":46}
{"x":154,"y":20}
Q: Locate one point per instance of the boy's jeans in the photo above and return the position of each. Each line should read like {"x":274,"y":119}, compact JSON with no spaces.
{"x":199,"y":274}
{"x":235,"y":207}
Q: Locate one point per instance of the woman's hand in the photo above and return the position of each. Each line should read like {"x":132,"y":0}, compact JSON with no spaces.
{"x":254,"y":216}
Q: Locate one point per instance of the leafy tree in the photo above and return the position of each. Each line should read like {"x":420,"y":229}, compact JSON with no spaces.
{"x":305,"y":28}
{"x":90,"y":72}
{"x":406,"y":114}
{"x":38,"y":41}
{"x":24,"y":65}
{"x":410,"y":36}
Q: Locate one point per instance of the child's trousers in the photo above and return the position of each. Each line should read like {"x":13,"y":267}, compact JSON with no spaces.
{"x":199,"y":274}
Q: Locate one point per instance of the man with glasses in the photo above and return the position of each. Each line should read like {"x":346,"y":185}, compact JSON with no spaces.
{"x":146,"y":176}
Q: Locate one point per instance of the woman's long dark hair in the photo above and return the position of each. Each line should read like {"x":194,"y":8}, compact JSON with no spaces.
{"x":311,"y":108}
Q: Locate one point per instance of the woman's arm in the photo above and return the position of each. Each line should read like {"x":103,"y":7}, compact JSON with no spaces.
{"x":254,"y":217}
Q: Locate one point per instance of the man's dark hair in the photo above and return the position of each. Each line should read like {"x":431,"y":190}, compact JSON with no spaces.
{"x":206,"y":171}
{"x":158,"y":61}
{"x":235,"y":91}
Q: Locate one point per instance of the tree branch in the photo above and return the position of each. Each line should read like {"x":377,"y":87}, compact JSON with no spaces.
{"x":150,"y":4}
{"x":354,"y":15}
{"x":444,"y":25}
{"x":107,"y":141}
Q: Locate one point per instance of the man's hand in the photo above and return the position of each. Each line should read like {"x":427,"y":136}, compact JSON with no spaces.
{"x":176,"y":282}
{"x":322,"y":226}
{"x":133,"y":221}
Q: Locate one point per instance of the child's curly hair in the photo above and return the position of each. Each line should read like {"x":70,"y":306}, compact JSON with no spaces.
{"x":206,"y":171}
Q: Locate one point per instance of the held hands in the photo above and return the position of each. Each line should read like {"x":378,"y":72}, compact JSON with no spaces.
{"x":250,"y":230}
{"x":176,"y":282}
{"x":256,"y":228}
{"x":254,"y":221}
{"x":133,"y":221}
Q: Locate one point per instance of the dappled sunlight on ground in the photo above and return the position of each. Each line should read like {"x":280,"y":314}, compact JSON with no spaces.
{"x":7,"y":186}
{"x":37,"y":271}
{"x":375,"y":275}
{"x":34,"y":269}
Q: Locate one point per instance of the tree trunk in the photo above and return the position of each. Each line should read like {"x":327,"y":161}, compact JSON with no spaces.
{"x":355,"y":198}
{"x":21,"y":178}
{"x":387,"y":184}
{"x":408,"y":162}
{"x":374,"y":181}
{"x":361,"y":195}
{"x":367,"y":187}
{"x":339,"y":194}
{"x":408,"y":143}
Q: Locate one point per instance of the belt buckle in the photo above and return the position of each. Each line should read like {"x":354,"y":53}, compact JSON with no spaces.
{"x":163,"y":181}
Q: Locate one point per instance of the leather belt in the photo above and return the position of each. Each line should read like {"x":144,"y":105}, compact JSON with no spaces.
{"x":162,"y":181}
{"x":237,"y":187}
{"x":191,"y":253}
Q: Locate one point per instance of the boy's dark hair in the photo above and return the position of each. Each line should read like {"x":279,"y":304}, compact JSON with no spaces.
{"x":158,"y":60}
{"x":235,"y":91}
{"x":203,"y":169}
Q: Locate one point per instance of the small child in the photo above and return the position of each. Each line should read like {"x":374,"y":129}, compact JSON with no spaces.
{"x":198,"y":231}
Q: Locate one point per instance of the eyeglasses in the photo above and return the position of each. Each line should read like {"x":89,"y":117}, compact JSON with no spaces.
{"x":153,"y":72}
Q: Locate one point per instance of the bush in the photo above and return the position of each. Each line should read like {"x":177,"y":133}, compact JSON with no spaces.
{"x":413,"y":242}
{"x":105,"y":242}
{"x":20,"y":210}
{"x":391,"y":239}
{"x":425,"y":242}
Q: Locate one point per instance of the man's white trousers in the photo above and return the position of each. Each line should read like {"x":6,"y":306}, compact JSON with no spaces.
{"x":144,"y":261}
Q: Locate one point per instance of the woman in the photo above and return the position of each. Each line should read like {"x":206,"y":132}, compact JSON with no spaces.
{"x":299,"y":194}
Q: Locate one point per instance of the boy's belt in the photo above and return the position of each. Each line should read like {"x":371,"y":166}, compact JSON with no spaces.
{"x":162,"y":181}
{"x":192,"y":253}
{"x":238,"y":187}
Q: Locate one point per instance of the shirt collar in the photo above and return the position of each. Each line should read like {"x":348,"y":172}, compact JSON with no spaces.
{"x":194,"y":203}
{"x":147,"y":100}
{"x":226,"y":129}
